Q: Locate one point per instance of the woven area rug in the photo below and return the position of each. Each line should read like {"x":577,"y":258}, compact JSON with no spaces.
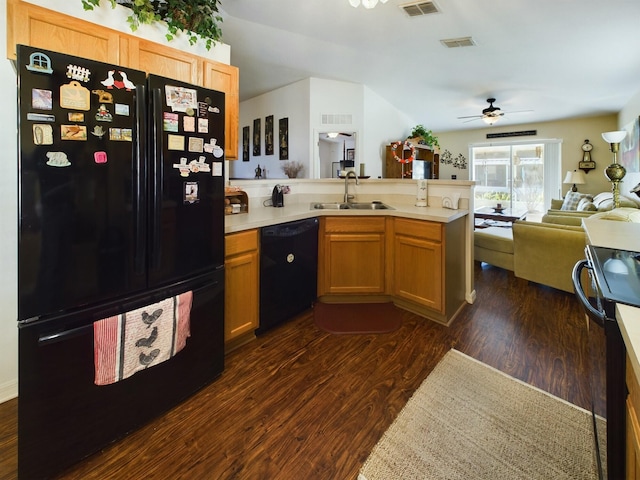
{"x":357,"y":318}
{"x":468,"y":420}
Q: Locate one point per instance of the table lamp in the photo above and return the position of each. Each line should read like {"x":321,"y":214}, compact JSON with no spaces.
{"x":615,"y":172}
{"x":575,"y":177}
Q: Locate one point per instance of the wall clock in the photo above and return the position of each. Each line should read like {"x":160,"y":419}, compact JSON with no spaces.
{"x":586,"y":163}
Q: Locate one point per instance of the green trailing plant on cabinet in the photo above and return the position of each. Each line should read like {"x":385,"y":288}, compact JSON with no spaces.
{"x":196,"y":18}
{"x":427,"y":136}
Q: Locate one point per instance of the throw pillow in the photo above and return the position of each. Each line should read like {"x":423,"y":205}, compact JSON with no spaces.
{"x":622,"y":214}
{"x":572,"y":199}
{"x":586,"y":205}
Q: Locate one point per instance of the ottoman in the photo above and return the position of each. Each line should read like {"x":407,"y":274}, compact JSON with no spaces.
{"x":494,"y":245}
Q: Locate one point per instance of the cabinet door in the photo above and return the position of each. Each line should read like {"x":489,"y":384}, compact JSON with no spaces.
{"x":241,"y":295}
{"x":43,"y":28}
{"x":225,"y":78}
{"x":418,"y":271}
{"x":633,"y":428}
{"x":353,"y":263}
{"x":164,"y":61}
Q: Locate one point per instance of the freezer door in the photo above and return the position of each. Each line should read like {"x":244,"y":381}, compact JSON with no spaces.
{"x":80,"y":231}
{"x":63,"y":416}
{"x":186,"y":181}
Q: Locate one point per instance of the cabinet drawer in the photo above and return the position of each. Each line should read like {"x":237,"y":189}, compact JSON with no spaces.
{"x":419,"y":229}
{"x":240,"y":242}
{"x":354,"y":224}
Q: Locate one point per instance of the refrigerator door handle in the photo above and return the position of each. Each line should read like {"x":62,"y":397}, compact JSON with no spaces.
{"x":140,"y":176}
{"x":155,"y":163}
{"x":63,"y":335}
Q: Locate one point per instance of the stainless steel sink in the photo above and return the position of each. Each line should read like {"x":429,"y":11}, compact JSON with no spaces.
{"x":350,"y":206}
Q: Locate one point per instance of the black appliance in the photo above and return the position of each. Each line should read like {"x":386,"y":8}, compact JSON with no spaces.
{"x":288,"y":271}
{"x":121,"y":205}
{"x":615,"y":278}
{"x":277,"y":196}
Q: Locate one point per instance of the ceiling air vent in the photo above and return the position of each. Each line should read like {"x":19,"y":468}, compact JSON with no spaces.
{"x":458,"y":42}
{"x":417,"y":9}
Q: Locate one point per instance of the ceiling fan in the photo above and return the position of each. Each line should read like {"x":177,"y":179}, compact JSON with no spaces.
{"x":491,"y":114}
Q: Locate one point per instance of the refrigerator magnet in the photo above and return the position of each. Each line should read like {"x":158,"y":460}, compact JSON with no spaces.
{"x":191,"y":192}
{"x":189,"y":124}
{"x":103,"y":114}
{"x":200,"y":165}
{"x":75,"y":117}
{"x":181,"y":99}
{"x":196,"y":144}
{"x":203,"y":125}
{"x":121,"y":134}
{"x":57,"y":159}
{"x":39,"y":63}
{"x":75,"y":72}
{"x":74,"y":96}
{"x":41,"y":99}
{"x":122,"y":109}
{"x":216,"y":169}
{"x":42,"y":134}
{"x":203,"y":108}
{"x":73,"y":132}
{"x":170,"y":122}
{"x":183,"y":167}
{"x":98,"y":131}
{"x":121,"y":82}
{"x":41,"y":117}
{"x":100,"y":157}
{"x":175,"y":142}
{"x":103,"y":96}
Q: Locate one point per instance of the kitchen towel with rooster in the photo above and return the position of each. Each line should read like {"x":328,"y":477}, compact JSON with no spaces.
{"x":127,"y":343}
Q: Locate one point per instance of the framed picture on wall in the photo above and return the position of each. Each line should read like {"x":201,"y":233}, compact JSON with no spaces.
{"x":245,"y":144}
{"x":283,"y":138}
{"x":630,"y":147}
{"x":268,"y":135}
{"x":257,"y":151}
{"x":351,"y":154}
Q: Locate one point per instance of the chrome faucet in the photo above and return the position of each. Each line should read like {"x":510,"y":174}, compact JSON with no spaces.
{"x":347,"y":196}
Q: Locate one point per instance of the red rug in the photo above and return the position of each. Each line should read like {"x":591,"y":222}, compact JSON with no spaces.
{"x":357,"y":318}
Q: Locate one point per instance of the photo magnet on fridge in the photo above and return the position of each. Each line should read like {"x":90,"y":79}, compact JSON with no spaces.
{"x":191,"y":192}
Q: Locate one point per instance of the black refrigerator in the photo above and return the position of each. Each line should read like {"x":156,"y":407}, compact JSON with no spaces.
{"x":121,"y":208}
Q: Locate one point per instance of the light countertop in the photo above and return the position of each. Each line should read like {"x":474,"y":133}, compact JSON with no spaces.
{"x":260,"y":216}
{"x":622,"y":236}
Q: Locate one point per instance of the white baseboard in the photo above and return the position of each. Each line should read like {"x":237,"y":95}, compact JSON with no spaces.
{"x":8,"y":391}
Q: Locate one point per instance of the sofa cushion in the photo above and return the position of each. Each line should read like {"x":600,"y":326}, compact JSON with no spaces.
{"x":575,"y":220}
{"x":604,"y":202}
{"x":494,"y":238}
{"x":622,"y":214}
{"x":572,"y":199}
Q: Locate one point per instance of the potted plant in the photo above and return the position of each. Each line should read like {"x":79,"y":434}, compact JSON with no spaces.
{"x":424,"y":136}
{"x":197,"y":18}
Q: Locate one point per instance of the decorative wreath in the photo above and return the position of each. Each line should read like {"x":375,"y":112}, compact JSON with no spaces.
{"x":404,"y":144}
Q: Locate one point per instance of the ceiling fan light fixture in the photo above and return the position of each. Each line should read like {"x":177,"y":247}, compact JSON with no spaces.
{"x":369,"y":3}
{"x":490,"y":119}
{"x":354,"y":3}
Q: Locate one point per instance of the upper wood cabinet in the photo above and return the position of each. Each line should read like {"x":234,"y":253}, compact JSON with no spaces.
{"x":29,"y":24}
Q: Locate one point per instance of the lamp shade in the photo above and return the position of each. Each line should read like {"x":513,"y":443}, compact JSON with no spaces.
{"x":576,"y":177}
{"x":614,"y":137}
{"x":489,"y":119}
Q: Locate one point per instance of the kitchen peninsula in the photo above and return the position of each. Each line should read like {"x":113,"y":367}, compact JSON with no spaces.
{"x":440,"y":237}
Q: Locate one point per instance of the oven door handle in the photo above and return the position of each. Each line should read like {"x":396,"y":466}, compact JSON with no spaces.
{"x":595,"y":315}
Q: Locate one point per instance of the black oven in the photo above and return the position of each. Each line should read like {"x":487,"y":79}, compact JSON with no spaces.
{"x":614,"y":278}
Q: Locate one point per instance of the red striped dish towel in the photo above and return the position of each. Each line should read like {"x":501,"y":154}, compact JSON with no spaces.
{"x":130,"y":342}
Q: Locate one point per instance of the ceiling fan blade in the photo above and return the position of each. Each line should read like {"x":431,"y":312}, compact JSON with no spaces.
{"x":519,"y":111}
{"x":472,"y":120}
{"x":471,"y":116}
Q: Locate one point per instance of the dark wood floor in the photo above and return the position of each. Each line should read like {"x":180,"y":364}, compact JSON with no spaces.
{"x":301,"y":403}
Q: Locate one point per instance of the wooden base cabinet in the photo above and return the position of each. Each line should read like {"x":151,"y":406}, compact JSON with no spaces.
{"x":351,"y":256}
{"x":242,"y":287}
{"x":633,"y":427}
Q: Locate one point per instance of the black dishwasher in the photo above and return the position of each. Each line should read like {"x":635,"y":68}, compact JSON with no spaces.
{"x":288,"y":271}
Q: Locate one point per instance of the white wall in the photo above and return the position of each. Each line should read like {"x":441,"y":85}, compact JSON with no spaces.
{"x":375,"y":121}
{"x":290,"y":102}
{"x":627,"y":115}
{"x":8,"y":227}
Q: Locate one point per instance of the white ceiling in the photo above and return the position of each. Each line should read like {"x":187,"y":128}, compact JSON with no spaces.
{"x":559,"y":58}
